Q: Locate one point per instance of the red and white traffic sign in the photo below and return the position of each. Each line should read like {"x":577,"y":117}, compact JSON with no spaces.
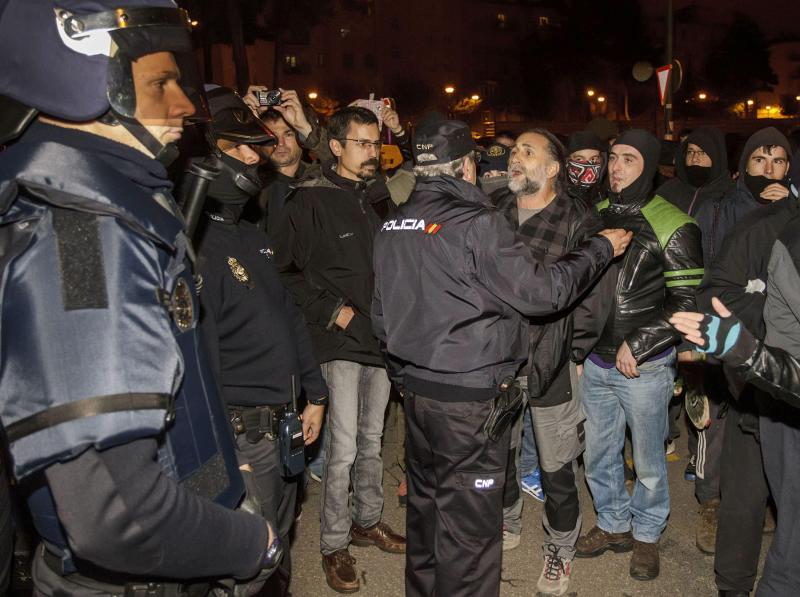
{"x":662,"y":76}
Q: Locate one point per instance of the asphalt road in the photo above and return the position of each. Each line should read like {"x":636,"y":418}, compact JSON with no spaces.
{"x":685,"y":571}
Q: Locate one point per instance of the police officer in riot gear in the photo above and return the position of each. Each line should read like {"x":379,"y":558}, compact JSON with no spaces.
{"x":259,"y":346}
{"x":115,"y":430}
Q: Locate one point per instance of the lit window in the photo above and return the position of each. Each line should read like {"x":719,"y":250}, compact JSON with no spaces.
{"x":501,"y":20}
{"x":544,"y":21}
{"x":290,"y":60}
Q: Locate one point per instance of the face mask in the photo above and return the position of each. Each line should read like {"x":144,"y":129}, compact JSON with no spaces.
{"x":582,"y":174}
{"x":756,"y":185}
{"x":698,"y":175}
{"x":236,"y":183}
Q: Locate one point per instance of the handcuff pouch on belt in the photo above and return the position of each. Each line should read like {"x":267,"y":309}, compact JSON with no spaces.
{"x":505,"y":409}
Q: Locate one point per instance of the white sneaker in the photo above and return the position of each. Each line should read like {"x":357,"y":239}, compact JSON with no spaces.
{"x":510,"y":540}
{"x":554,"y":579}
{"x":670,"y":449}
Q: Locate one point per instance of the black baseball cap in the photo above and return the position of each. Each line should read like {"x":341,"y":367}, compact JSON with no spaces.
{"x":441,"y":141}
{"x":494,"y":158}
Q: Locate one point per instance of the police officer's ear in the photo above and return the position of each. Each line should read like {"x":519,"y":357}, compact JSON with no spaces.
{"x":336,"y":147}
{"x":470,"y":169}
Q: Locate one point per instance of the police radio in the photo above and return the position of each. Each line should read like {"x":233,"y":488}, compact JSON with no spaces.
{"x":291,"y":440}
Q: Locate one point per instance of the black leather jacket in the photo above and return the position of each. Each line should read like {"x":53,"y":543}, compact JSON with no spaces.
{"x":657,"y":276}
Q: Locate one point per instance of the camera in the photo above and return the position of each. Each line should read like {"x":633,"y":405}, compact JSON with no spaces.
{"x":268,"y":98}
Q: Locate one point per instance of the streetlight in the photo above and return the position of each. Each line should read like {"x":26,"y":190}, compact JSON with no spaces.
{"x":750,"y":102}
{"x":475,"y":97}
{"x":313,"y":95}
{"x":797,"y":97}
{"x":449,"y":90}
{"x":590,"y":92}
{"x":701,"y":96}
{"x":195,"y":23}
{"x":601,"y":99}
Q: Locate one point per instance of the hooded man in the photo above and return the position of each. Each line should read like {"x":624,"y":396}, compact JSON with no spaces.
{"x":586,"y":166}
{"x":703,"y":180}
{"x":628,"y":377}
{"x":763,"y":178}
{"x":702,"y":173}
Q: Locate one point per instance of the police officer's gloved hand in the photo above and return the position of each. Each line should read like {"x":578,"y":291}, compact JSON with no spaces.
{"x":726,"y":339}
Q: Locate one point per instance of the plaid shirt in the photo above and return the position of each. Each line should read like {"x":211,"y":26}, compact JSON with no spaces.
{"x":546,"y":232}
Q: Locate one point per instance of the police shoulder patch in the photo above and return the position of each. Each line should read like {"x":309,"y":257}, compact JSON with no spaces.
{"x":80,"y":259}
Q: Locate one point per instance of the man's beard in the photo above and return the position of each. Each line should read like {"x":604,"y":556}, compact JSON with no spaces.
{"x":526,"y":185}
{"x":365,"y":174}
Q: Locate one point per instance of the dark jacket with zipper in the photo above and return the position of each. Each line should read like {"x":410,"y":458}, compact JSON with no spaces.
{"x":323,"y":251}
{"x":657,"y":277}
{"x":561,"y":226}
{"x":256,"y":336}
{"x":452,"y":283}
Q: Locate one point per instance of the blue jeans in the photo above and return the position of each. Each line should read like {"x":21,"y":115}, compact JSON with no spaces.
{"x":358,"y":398}
{"x":529,"y":457}
{"x":611,"y":401}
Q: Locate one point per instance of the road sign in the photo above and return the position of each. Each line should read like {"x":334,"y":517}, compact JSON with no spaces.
{"x":662,"y":76}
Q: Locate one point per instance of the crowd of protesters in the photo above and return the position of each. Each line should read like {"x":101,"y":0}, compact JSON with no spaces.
{"x":605,"y":363}
{"x":535,"y":279}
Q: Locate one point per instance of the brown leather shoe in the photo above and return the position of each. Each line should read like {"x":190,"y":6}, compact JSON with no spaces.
{"x":340,"y":571}
{"x":380,"y":535}
{"x":644,"y":560}
{"x":597,"y":541}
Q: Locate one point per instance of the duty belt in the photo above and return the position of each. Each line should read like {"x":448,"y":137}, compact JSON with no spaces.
{"x":257,"y":422}
{"x":126,"y":589}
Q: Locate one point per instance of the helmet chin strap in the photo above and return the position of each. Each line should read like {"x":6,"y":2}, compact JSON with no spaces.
{"x":166,"y":154}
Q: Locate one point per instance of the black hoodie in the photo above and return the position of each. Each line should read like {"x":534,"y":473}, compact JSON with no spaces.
{"x":681,"y":192}
{"x":717,"y":219}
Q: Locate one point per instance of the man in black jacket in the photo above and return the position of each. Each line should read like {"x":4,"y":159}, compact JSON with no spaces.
{"x":324,"y":251}
{"x":701,"y":184}
{"x":628,"y":378}
{"x":451,"y":282}
{"x":257,"y":338}
{"x":552,"y":223}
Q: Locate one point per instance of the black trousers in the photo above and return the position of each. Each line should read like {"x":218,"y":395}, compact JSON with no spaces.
{"x":743,"y":498}
{"x":278,"y":496}
{"x":454,"y":518}
{"x":6,"y":533}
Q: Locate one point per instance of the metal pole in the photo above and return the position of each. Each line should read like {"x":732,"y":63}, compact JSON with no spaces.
{"x":668,"y":124}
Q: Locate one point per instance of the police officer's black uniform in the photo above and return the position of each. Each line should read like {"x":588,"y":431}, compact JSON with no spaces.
{"x":115,"y":430}
{"x":257,"y":337}
{"x":450,"y":283}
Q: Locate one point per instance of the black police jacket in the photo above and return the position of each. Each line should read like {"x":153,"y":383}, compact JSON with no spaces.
{"x":452,"y":284}
{"x":658,"y":275}
{"x":256,"y":336}
{"x":323,"y":251}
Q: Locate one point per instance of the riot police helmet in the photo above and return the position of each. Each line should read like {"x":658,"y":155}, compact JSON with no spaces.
{"x":127,"y":63}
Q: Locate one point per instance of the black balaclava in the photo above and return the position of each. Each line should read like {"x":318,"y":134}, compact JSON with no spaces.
{"x":757,"y":184}
{"x":641,"y":189}
{"x":712,"y":141}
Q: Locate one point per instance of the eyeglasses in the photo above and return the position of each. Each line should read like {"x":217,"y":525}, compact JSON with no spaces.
{"x":699,"y":153}
{"x":364,"y":143}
